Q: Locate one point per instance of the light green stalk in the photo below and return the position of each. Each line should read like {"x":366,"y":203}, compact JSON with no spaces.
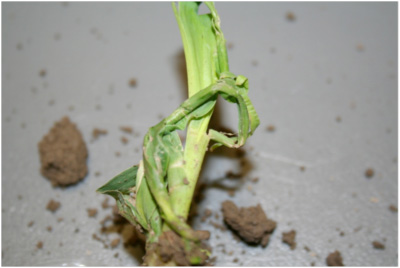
{"x":206,"y":58}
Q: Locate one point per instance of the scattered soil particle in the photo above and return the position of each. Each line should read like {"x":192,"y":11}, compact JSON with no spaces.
{"x":116,"y":255}
{"x":290,"y":16}
{"x":105,"y":204}
{"x":49,"y":228}
{"x":334,"y":259}
{"x":117,"y":154}
{"x":126,"y":129}
{"x":97,"y":132}
{"x":115,"y":242}
{"x":60,"y":219}
{"x":124,"y":140}
{"x":255,"y":180}
{"x":251,"y":223}
{"x":217,"y":226}
{"x":393,"y":208}
{"x":338,"y":119}
{"x":185,"y":181}
{"x":232,"y":175}
{"x":206,"y":215}
{"x":290,"y":239}
{"x":63,"y":154}
{"x":92,"y":212}
{"x":42,"y":73}
{"x":271,"y":128}
{"x":230,"y":45}
{"x":378,"y":245}
{"x":53,"y":205}
{"x":97,"y":173}
{"x":360,"y":47}
{"x":302,"y":168}
{"x":39,"y":245}
{"x":31,"y":223}
{"x":369,"y":173}
{"x":133,"y":82}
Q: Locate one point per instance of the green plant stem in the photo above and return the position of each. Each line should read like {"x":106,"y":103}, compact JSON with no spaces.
{"x":206,"y":58}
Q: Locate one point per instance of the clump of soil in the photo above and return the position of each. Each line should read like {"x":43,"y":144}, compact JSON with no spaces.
{"x":393,"y":208}
{"x":251,"y":223}
{"x":290,"y":239}
{"x":170,"y":250}
{"x":92,"y":212}
{"x":97,"y":132}
{"x":334,"y":259}
{"x":53,"y":205}
{"x":369,"y":173}
{"x":378,"y":245}
{"x":63,"y":154}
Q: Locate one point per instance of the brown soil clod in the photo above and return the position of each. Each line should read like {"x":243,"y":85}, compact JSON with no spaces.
{"x":334,"y":259}
{"x":251,"y":223}
{"x":290,"y":239}
{"x":92,"y":212}
{"x":378,"y":245}
{"x":369,"y":173}
{"x":97,"y":132}
{"x":63,"y":154}
{"x":53,"y":205}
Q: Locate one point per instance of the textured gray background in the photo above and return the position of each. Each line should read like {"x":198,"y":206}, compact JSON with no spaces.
{"x":304,"y":74}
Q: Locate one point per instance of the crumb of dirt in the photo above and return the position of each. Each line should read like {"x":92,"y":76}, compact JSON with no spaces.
{"x":302,"y":168}
{"x":97,"y":132}
{"x":230,"y":45}
{"x":124,"y":140}
{"x":126,"y":129}
{"x":360,"y":47}
{"x":53,"y":205}
{"x":393,"y":208}
{"x":369,"y":173}
{"x":105,"y":204}
{"x":92,"y":212}
{"x":31,"y":223}
{"x":39,"y":245}
{"x":338,"y":119}
{"x":97,"y":173}
{"x":60,"y":219}
{"x":290,"y":16}
{"x":334,"y":259}
{"x":271,"y":128}
{"x":217,"y":225}
{"x":254,"y":62}
{"x":231,"y":192}
{"x":255,"y":180}
{"x":206,"y":215}
{"x":116,"y":255}
{"x":63,"y":154}
{"x":42,"y":73}
{"x":133,"y":82}
{"x":171,"y":249}
{"x":289,"y":238}
{"x":378,"y":245}
{"x":117,"y":154}
{"x":374,"y":199}
{"x":232,"y":175}
{"x":250,"y":223}
{"x":115,"y":242}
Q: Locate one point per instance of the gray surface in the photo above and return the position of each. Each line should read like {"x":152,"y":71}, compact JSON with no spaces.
{"x":309,"y":72}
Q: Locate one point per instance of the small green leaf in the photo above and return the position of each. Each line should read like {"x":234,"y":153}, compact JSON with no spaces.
{"x":122,"y":183}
